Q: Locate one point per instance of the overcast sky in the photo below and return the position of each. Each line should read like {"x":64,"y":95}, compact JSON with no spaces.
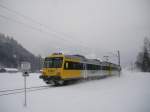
{"x":93,"y":28}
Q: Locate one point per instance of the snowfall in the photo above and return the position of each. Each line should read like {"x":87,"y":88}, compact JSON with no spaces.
{"x":128,"y":93}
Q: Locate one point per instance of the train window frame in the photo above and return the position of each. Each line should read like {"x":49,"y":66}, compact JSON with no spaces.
{"x":49,"y":62}
{"x":73,"y":65}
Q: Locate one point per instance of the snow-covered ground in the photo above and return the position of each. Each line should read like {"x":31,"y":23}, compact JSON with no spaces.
{"x":129,"y":93}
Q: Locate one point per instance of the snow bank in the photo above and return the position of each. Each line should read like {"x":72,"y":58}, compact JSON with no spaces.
{"x":9,"y":70}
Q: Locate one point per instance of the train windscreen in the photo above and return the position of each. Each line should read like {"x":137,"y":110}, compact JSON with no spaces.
{"x":54,"y":62}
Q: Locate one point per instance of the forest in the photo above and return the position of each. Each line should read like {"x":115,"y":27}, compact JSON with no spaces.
{"x":12,"y":54}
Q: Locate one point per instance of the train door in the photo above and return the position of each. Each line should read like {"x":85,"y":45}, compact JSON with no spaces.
{"x":85,"y":71}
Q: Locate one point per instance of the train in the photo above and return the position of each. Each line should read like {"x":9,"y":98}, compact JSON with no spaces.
{"x":59,"y":69}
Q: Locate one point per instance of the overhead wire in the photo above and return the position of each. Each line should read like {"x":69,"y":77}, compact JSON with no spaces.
{"x":16,"y":21}
{"x":34,"y":28}
{"x":29,"y":26}
{"x":40,"y":24}
{"x":41,"y":28}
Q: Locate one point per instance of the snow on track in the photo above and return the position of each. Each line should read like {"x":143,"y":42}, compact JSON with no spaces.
{"x":129,"y":93}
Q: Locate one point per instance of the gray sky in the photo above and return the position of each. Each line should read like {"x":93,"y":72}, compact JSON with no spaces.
{"x":93,"y":28}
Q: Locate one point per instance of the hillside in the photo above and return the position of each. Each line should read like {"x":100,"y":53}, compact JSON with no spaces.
{"x":12,"y":54}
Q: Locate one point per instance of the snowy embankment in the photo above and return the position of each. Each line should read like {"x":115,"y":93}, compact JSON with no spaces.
{"x":129,"y":93}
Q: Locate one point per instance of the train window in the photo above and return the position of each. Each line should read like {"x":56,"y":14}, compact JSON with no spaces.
{"x":53,"y":62}
{"x":80,"y":66}
{"x":105,"y":67}
{"x":66,"y":65}
{"x":45,"y":64}
{"x":73,"y":65}
{"x":115,"y":68}
{"x":93,"y":67}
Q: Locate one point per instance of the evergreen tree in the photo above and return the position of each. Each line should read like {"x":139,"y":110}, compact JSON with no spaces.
{"x":145,"y":63}
{"x":143,"y":59}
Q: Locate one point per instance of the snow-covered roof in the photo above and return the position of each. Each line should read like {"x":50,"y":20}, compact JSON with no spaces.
{"x":11,"y":69}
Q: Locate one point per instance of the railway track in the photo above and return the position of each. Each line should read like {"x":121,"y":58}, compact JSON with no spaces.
{"x":21,"y":90}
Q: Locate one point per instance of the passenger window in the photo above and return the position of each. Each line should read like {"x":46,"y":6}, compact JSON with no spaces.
{"x":66,"y":66}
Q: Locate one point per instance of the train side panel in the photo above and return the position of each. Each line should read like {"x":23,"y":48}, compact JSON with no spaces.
{"x":71,"y":69}
{"x":71,"y":74}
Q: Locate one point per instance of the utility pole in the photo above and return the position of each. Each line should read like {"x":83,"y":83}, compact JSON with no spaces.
{"x":119,"y":62}
{"x":118,"y":57}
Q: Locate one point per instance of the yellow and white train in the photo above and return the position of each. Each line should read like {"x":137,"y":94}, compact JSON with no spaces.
{"x":59,"y":69}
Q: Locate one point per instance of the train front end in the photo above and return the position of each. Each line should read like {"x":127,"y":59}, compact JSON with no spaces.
{"x":52,"y":69}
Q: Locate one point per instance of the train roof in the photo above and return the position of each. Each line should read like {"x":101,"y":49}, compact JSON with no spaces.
{"x":105,"y":63}
{"x":83,"y":59}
